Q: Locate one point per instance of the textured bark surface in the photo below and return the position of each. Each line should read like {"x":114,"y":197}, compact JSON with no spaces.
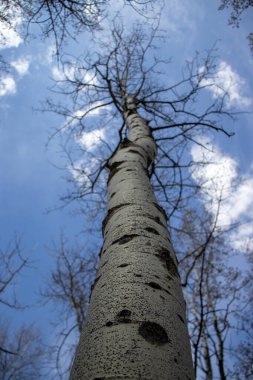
{"x":136,"y":326}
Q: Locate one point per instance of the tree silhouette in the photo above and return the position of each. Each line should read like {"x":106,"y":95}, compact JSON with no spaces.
{"x":21,"y":350}
{"x":68,"y":290}
{"x":238,"y":8}
{"x":25,"y":358}
{"x":61,"y":19}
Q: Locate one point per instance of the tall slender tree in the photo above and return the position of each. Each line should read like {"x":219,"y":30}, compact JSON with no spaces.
{"x":136,"y":325}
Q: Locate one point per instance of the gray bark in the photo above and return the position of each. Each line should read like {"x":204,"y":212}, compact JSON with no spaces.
{"x":136,"y":325}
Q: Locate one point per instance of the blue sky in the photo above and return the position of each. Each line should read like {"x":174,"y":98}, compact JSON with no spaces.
{"x":30,"y":180}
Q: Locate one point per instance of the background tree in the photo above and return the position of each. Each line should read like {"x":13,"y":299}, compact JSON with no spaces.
{"x":214,"y":290}
{"x":68,"y":290}
{"x":25,"y":360}
{"x":12,"y":263}
{"x":60,"y":19}
{"x":238,"y":8}
{"x":244,"y":353}
{"x":21,"y":350}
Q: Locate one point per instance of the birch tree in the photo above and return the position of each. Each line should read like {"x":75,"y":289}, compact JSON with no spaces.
{"x":216,"y":291}
{"x":136,"y":324}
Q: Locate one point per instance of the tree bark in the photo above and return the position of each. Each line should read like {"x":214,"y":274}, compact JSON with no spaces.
{"x":136,"y":325}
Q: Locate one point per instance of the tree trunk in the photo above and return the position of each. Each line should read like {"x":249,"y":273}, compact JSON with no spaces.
{"x":207,"y":358}
{"x":136,"y":325}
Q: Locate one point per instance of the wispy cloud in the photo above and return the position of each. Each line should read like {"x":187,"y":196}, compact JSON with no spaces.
{"x":21,"y":65}
{"x":220,"y":180}
{"x":90,"y":140}
{"x":180,"y":17}
{"x":217,"y":171}
{"x":7,"y":85}
{"x":70,"y":72}
{"x":227,"y":81}
{"x":81,"y":172}
{"x":50,"y":54}
{"x":59,"y":74}
{"x":94,"y":110}
{"x":7,"y":82}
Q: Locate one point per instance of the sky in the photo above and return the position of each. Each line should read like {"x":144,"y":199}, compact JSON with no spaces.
{"x":31,"y":178}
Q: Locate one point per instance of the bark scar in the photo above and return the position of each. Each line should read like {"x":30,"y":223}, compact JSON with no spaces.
{"x":153,"y":333}
{"x":124,"y":239}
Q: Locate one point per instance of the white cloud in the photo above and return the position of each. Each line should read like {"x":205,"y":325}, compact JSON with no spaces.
{"x":50,"y":54}
{"x":240,"y":202}
{"x":9,"y":36}
{"x":227,"y":81}
{"x":219,"y":179}
{"x":242,"y":239}
{"x":96,"y":109}
{"x":57,"y":74}
{"x":178,"y":19}
{"x":218,"y":171}
{"x":81,"y":172}
{"x":86,"y":112}
{"x":21,"y":65}
{"x":46,"y":55}
{"x":79,"y":113}
{"x":7,"y":85}
{"x":90,"y":140}
{"x":71,"y":73}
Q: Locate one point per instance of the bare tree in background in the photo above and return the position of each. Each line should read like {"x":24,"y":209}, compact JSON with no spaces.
{"x":243,"y":368}
{"x":214,"y":289}
{"x":68,"y":290}
{"x":238,"y":8}
{"x":12,"y":263}
{"x":21,"y":350}
{"x":25,"y":358}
